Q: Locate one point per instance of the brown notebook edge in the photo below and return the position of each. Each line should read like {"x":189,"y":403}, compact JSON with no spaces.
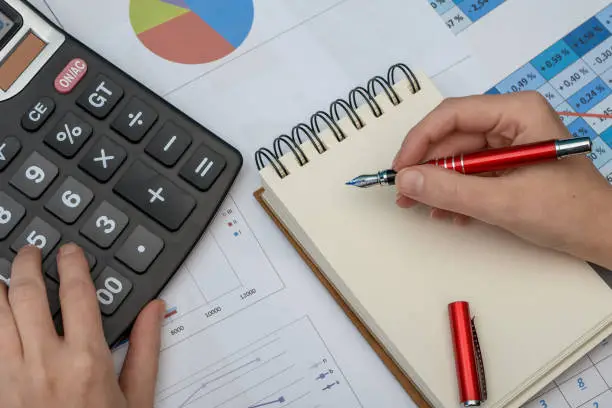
{"x":405,"y":381}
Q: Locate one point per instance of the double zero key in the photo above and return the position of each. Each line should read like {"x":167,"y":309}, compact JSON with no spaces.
{"x":155,"y":195}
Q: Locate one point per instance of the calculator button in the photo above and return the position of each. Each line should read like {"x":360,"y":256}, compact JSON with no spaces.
{"x":53,"y":273}
{"x":111,"y":289}
{"x":100,"y":97}
{"x":105,"y":225}
{"x":203,"y":168}
{"x":11,"y":212}
{"x":70,"y":200}
{"x":135,"y":120}
{"x":140,"y":249}
{"x":70,"y":76}
{"x":103,"y":160}
{"x":5,"y":271}
{"x":39,"y":234}
{"x":38,"y":114}
{"x":155,"y":195}
{"x":34,"y":176}
{"x":169,"y":144}
{"x":9,"y":148}
{"x":52,"y":296}
{"x":69,"y":135}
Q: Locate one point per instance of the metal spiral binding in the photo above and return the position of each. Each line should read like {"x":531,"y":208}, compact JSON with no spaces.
{"x":348,"y":106}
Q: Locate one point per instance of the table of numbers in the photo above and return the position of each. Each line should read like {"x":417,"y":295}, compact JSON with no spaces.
{"x":460,"y":14}
{"x":575,"y":74}
{"x":588,"y":383}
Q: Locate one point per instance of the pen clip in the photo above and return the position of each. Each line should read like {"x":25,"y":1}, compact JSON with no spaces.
{"x":479,"y":362}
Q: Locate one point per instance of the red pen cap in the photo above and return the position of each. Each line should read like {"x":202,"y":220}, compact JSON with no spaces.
{"x":468,"y":359}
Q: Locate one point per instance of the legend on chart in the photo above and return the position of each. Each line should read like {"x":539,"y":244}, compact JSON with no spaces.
{"x":290,"y":367}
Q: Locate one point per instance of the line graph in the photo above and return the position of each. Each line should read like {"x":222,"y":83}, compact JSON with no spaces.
{"x":227,"y":273}
{"x":291,"y":367}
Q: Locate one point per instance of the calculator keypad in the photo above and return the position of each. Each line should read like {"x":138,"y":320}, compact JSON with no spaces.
{"x":34,"y":176}
{"x":70,"y":200}
{"x":69,"y":136}
{"x":39,"y":234}
{"x":9,"y":148}
{"x":155,"y":195}
{"x":105,"y":225}
{"x":89,"y":157}
{"x":140,"y":249}
{"x":100,"y":97}
{"x":11,"y":212}
{"x":135,"y":120}
{"x":38,"y":114}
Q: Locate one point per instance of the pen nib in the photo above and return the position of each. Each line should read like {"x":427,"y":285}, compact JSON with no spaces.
{"x":363,"y":181}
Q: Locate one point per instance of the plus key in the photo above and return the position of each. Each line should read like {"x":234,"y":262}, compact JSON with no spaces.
{"x":155,"y":195}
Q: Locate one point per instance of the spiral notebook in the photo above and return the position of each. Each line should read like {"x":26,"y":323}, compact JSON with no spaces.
{"x":394,"y":271}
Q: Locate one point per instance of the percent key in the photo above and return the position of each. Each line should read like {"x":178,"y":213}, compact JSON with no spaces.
{"x":69,"y":135}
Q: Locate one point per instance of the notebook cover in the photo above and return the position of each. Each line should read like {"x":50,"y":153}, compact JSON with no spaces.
{"x":389,"y":362}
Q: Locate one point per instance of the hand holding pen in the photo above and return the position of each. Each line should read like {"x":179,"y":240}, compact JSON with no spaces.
{"x":564,"y":204}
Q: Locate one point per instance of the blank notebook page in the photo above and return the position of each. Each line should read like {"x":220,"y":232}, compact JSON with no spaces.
{"x":399,"y":269}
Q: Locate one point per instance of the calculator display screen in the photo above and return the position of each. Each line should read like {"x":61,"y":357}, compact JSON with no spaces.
{"x":6,"y":24}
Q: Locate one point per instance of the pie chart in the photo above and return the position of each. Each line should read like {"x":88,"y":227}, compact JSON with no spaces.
{"x":192,"y":31}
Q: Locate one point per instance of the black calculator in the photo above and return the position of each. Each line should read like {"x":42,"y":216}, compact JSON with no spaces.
{"x":89,"y":155}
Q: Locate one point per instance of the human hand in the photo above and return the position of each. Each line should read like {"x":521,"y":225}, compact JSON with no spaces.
{"x":565,"y":205}
{"x":40,"y":369}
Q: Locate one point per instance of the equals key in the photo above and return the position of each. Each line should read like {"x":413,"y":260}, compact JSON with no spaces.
{"x":203,"y":168}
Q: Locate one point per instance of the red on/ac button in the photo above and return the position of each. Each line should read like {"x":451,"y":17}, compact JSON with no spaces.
{"x":70,"y":76}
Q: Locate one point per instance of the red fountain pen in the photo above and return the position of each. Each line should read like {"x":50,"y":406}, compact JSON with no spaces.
{"x":491,"y":160}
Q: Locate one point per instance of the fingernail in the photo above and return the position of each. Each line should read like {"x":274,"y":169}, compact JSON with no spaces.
{"x":68,"y":249}
{"x":410,"y":182}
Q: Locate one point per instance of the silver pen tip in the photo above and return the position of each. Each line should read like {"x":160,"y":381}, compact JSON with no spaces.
{"x":363,"y":181}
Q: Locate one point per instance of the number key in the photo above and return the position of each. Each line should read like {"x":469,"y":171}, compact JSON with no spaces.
{"x":34,"y":176}
{"x":11,"y":212}
{"x":105,"y":225}
{"x":69,"y":202}
{"x":111,"y":289}
{"x":39,"y":234}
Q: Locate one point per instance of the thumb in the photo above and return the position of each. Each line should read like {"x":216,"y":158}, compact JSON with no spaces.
{"x":139,"y":374}
{"x":482,"y":198}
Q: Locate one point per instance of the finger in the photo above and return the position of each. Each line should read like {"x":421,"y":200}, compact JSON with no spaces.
{"x":456,"y":144}
{"x":439,"y":214}
{"x":10,"y":344}
{"x":80,"y":311}
{"x":405,"y":202}
{"x":484,"y":198}
{"x":499,"y":117}
{"x":139,"y":374}
{"x":28,"y":300}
